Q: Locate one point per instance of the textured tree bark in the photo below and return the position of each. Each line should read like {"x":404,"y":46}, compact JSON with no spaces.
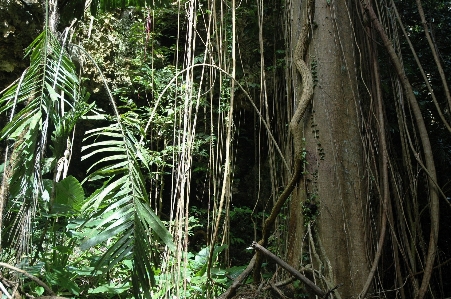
{"x":335,"y":166}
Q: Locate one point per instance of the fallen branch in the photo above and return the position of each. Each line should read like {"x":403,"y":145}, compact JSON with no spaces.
{"x":32,"y":277}
{"x":290,"y":269}
{"x":281,"y":283}
{"x":242,"y":277}
{"x":277,"y":290}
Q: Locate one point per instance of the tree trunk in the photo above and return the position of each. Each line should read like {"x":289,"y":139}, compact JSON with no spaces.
{"x":335,"y":174}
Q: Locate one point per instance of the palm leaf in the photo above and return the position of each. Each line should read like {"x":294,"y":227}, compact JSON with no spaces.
{"x":126,"y":215}
{"x":49,"y":83}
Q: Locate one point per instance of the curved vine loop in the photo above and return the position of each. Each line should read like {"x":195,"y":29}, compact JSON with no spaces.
{"x":307,"y":78}
{"x":295,"y":127}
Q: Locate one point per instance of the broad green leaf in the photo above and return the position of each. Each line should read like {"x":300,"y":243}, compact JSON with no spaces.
{"x":201,"y":259}
{"x":70,"y":192}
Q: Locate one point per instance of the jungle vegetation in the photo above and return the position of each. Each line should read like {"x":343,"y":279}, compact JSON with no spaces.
{"x":145,"y":145}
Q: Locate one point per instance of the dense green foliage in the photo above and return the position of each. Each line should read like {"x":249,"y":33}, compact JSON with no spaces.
{"x":88,"y":229}
{"x":93,"y":136}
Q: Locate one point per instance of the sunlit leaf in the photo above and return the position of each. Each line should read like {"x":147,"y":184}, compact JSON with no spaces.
{"x":69,"y":192}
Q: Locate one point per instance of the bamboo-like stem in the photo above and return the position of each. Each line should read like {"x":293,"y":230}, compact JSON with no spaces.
{"x":225,"y":192}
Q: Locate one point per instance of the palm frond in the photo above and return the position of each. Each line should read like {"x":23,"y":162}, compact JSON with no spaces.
{"x":126,"y":215}
{"x":48,"y":87}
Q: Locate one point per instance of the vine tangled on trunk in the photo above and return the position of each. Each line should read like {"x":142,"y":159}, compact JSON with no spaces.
{"x":307,"y":78}
{"x":295,"y":126}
